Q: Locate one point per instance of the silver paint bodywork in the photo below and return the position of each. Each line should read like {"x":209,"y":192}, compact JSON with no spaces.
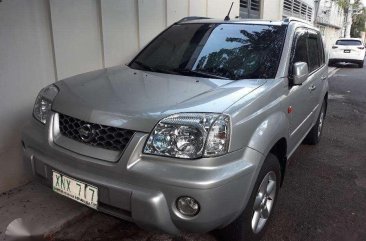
{"x":143,"y":188}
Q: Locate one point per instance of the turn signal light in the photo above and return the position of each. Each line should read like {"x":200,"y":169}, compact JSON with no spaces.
{"x":334,"y":47}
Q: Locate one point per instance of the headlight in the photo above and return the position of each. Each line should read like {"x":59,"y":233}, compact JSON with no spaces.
{"x":42,"y":107}
{"x":190,"y":136}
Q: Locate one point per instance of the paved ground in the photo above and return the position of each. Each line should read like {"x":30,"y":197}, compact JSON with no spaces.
{"x":34,"y":209}
{"x":323,"y":197}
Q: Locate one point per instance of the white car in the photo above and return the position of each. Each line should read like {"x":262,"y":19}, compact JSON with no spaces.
{"x":350,"y":50}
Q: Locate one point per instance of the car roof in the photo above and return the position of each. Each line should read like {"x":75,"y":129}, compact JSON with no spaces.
{"x":237,"y":21}
{"x":285,"y":21}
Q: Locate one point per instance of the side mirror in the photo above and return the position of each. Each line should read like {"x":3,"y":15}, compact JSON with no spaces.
{"x":300,"y":73}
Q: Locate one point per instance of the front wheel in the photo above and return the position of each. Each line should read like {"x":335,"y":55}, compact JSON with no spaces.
{"x":360,"y":64}
{"x":253,"y":221}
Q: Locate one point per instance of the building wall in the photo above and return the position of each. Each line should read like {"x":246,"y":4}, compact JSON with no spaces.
{"x":274,"y":9}
{"x":271,"y":9}
{"x":26,"y":65}
{"x":330,"y":22}
{"x":42,"y":41}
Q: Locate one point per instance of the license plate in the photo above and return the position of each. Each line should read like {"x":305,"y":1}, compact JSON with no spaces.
{"x":347,"y":51}
{"x":79,"y":191}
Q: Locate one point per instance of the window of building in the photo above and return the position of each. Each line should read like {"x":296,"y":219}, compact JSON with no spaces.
{"x":250,"y":8}
{"x":297,"y":8}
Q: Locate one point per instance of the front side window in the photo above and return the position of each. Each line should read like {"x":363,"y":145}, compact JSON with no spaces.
{"x":321,"y":49}
{"x":229,"y":51}
{"x":313,"y":51}
{"x":308,"y":48}
{"x":301,"y":49}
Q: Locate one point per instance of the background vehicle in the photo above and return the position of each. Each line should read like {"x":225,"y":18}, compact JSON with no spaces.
{"x":194,"y":135}
{"x":349,"y":50}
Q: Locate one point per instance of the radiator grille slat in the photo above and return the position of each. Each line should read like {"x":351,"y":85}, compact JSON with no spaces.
{"x":106,"y":137}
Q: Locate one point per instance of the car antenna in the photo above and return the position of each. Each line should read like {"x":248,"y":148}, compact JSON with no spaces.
{"x":227,"y":18}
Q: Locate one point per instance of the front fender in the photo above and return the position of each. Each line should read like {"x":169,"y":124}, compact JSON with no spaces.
{"x":269,"y":131}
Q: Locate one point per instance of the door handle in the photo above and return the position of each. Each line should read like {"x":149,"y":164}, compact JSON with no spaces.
{"x":323,"y":77}
{"x":312,"y":87}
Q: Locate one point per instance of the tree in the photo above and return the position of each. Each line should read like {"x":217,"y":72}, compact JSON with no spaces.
{"x":358,"y":15}
{"x":358,"y":19}
{"x":358,"y":24}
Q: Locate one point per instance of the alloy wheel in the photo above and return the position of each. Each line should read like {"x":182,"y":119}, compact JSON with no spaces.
{"x":264,"y":201}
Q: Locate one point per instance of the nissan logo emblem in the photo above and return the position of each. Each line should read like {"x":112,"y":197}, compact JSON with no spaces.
{"x":86,"y":132}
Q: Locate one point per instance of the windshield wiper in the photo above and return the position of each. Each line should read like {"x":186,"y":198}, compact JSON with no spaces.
{"x":198,"y":73}
{"x":144,"y":66}
{"x":152,"y":69}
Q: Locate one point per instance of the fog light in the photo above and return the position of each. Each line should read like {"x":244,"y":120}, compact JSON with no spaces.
{"x":188,"y":206}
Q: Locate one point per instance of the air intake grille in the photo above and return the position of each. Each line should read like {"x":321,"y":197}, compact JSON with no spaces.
{"x":106,"y":137}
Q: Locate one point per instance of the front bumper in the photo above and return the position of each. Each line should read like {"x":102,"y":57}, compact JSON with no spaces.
{"x":143,"y":189}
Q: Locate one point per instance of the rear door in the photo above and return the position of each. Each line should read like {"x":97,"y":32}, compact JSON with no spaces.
{"x":318,"y":71}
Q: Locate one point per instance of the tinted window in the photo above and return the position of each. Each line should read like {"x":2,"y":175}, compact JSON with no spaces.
{"x":313,"y":53}
{"x":321,"y":49}
{"x":348,"y":42}
{"x":301,"y":53}
{"x":233,"y":51}
{"x":242,"y":52}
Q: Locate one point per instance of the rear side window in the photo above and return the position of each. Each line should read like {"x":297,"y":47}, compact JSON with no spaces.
{"x":348,"y":42}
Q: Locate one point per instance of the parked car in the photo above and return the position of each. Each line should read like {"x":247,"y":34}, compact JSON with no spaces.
{"x":194,"y":134}
{"x":349,"y":50}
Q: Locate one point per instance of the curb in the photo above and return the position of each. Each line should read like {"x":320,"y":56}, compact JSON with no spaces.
{"x":34,"y":210}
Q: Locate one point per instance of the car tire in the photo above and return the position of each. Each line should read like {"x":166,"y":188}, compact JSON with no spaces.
{"x":314,"y":135}
{"x":264,"y":196}
{"x":360,"y":64}
{"x":330,"y":63}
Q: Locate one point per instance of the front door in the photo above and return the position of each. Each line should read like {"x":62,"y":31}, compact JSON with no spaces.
{"x":299,"y":97}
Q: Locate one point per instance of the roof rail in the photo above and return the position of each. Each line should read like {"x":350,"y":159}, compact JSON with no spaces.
{"x":190,"y":18}
{"x":291,"y":19}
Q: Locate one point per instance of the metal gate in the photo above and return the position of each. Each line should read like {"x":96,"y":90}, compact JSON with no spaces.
{"x":250,"y":8}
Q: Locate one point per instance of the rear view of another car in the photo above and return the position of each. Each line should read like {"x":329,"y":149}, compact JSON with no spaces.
{"x":350,"y":50}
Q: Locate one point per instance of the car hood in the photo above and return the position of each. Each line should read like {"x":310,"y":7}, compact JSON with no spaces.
{"x":137,"y":100}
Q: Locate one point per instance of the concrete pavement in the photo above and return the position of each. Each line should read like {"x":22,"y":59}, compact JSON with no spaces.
{"x":40,"y":210}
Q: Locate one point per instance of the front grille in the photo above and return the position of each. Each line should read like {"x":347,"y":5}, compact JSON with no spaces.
{"x":106,"y":137}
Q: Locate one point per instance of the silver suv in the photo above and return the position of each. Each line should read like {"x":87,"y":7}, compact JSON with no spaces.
{"x":193,"y":134}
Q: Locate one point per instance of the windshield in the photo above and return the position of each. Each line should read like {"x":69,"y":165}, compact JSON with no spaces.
{"x":349,"y":42}
{"x":229,"y":51}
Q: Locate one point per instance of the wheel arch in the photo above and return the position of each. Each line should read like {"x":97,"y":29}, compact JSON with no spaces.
{"x":273,"y":138}
{"x":280,"y":151}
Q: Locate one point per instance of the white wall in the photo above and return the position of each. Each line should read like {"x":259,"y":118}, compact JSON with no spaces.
{"x":42,"y":41}
{"x":271,"y":9}
{"x":76,"y":35}
{"x":26,"y":65}
{"x":120,"y":26}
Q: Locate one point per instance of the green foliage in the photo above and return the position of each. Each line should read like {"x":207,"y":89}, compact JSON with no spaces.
{"x":358,"y":24}
{"x":343,"y":4}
